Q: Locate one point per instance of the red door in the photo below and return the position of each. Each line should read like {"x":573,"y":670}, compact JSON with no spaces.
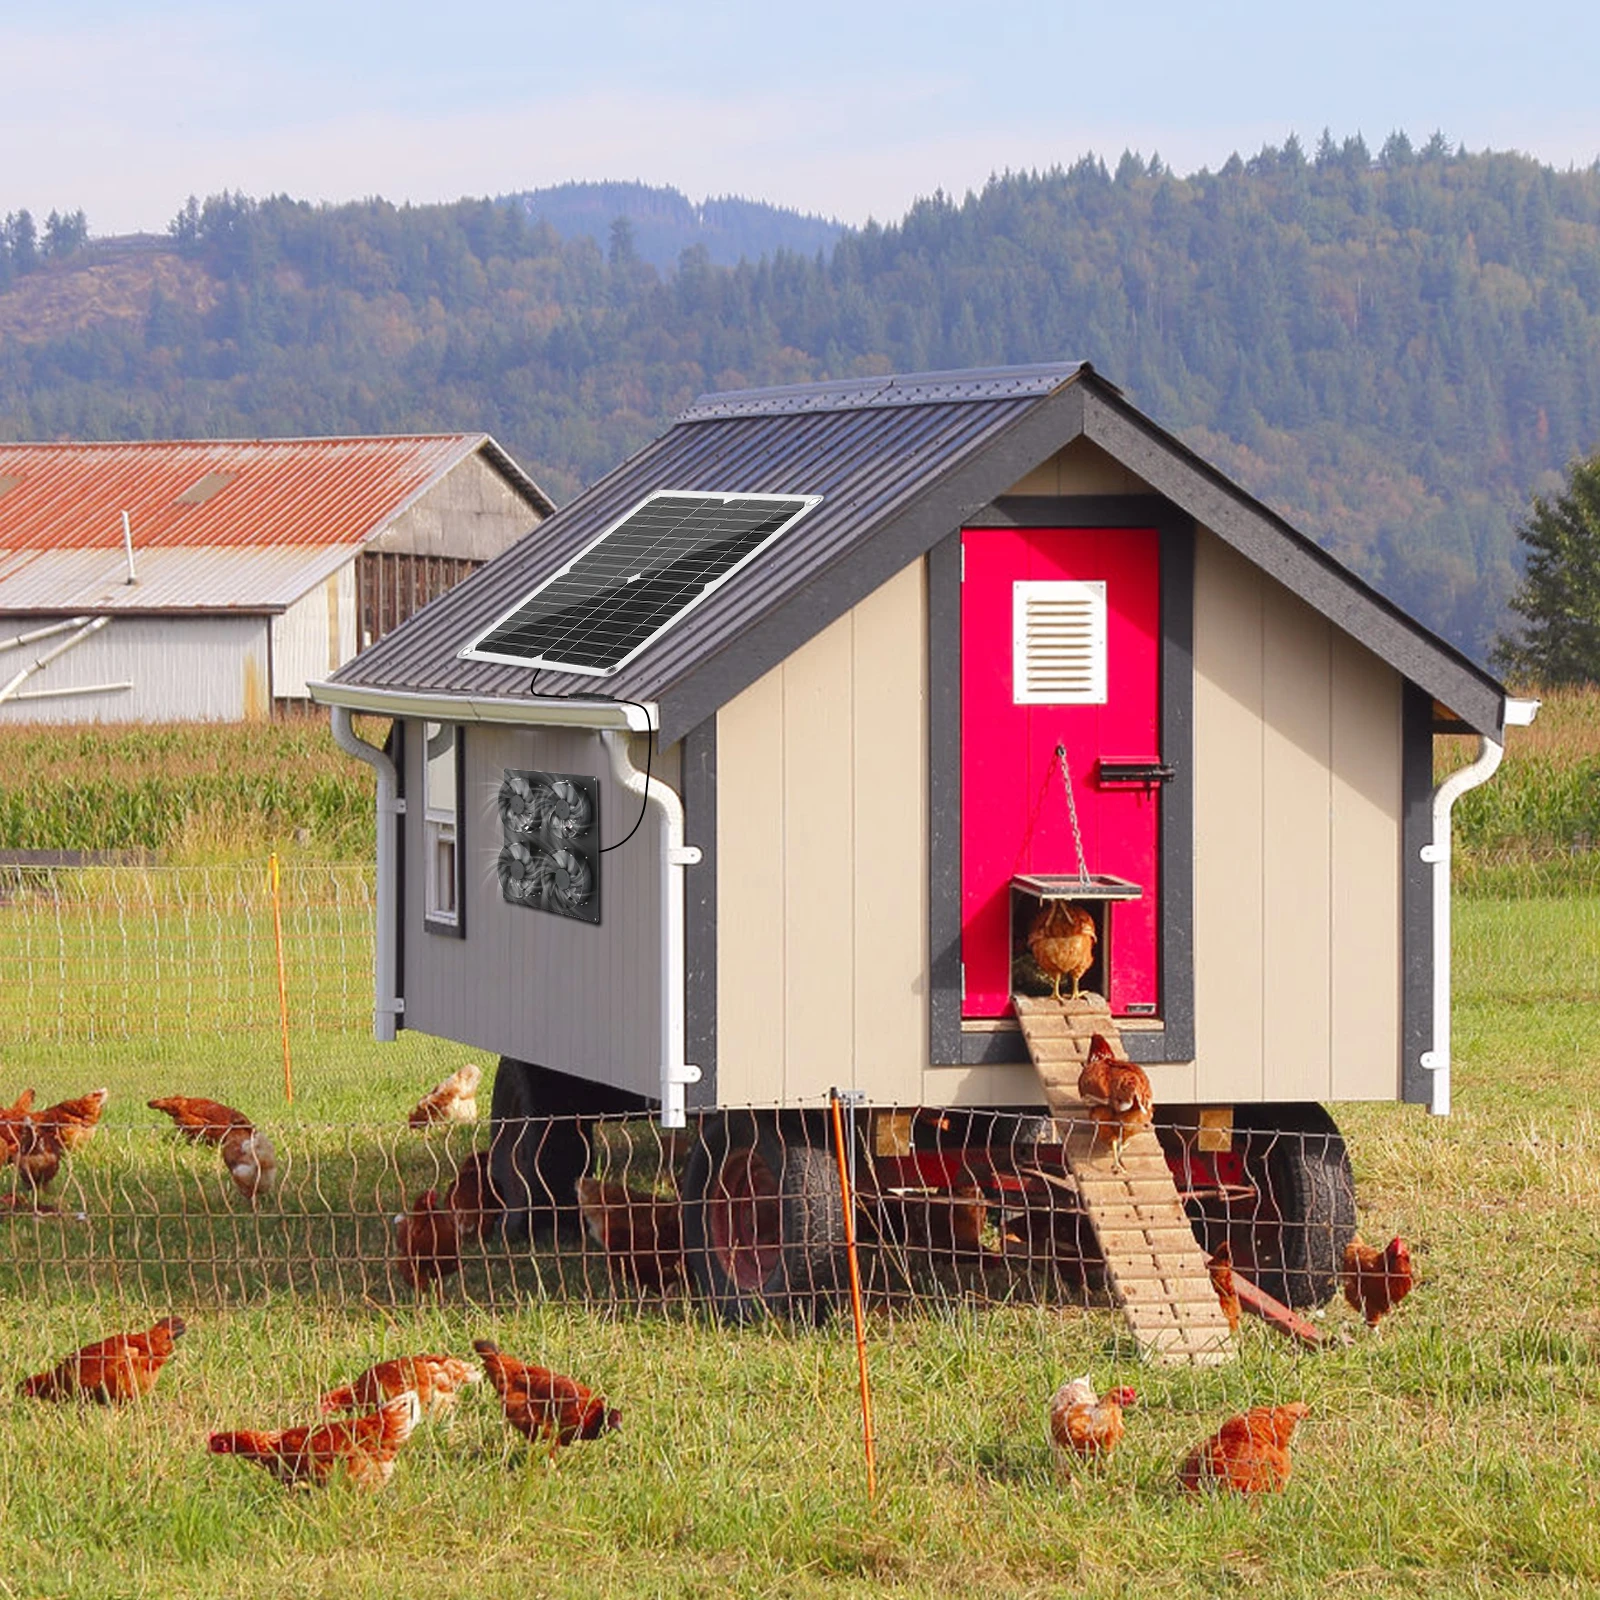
{"x":1060,"y":646}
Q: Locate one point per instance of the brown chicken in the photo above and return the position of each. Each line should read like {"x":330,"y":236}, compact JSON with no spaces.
{"x":472,"y":1200}
{"x":1119,"y":1095}
{"x":541,"y":1404}
{"x":364,"y":1447}
{"x":251,"y":1161}
{"x":429,"y":1249}
{"x":641,"y":1234}
{"x":208,"y":1121}
{"x":436,"y":1381}
{"x":1220,"y":1265}
{"x":13,"y":1120}
{"x":123,"y":1367}
{"x":1061,"y":941}
{"x":937,"y":1226}
{"x":40,"y":1150}
{"x":1376,"y":1281}
{"x":1084,"y":1426}
{"x":74,"y":1120}
{"x":1247,"y":1455}
{"x":454,"y":1100}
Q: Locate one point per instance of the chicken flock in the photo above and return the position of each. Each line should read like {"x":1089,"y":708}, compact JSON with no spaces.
{"x":641,"y":1239}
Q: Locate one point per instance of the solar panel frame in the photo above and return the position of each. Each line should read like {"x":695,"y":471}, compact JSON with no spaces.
{"x":688,"y":555}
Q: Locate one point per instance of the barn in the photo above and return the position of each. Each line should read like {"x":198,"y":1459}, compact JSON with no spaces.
{"x":212,"y":579}
{"x":992,"y":639}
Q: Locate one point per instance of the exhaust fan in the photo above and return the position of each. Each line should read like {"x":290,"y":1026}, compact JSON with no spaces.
{"x":550,"y":860}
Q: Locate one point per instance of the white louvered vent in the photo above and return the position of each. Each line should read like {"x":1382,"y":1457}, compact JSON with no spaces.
{"x":1058,"y":643}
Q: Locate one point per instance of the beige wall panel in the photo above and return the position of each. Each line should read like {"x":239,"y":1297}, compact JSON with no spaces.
{"x":1081,"y":468}
{"x":1297,"y":796}
{"x":819,"y":863}
{"x":1366,"y":913}
{"x":889,"y":806}
{"x":750,"y":894}
{"x":566,"y":994}
{"x":1229,"y":912}
{"x":472,"y":513}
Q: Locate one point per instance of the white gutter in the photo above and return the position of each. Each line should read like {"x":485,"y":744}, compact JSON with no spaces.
{"x":93,"y":625}
{"x":388,"y":1004}
{"x":675,"y":855}
{"x":1519,"y":713}
{"x":529,"y":711}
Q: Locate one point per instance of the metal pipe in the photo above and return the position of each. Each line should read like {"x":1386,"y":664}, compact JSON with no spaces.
{"x":388,"y":1004}
{"x":42,"y":633}
{"x":1437,"y":854}
{"x":93,"y":625}
{"x":674,"y":856}
{"x":66,"y":694}
{"x":127,"y":545}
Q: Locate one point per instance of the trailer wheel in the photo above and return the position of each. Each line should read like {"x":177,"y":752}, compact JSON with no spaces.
{"x":763,"y":1221}
{"x":1306,"y":1213}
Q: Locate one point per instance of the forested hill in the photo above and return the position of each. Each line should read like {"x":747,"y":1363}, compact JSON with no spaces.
{"x":1392,"y":351}
{"x":660,"y":224}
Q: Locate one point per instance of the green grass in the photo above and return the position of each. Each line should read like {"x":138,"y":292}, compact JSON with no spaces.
{"x":1453,"y":1454}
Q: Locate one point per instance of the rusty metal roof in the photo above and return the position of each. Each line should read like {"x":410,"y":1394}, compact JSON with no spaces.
{"x":900,"y":463}
{"x":248,"y":523}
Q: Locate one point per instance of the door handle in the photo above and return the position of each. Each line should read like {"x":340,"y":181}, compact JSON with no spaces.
{"x":1144,"y":773}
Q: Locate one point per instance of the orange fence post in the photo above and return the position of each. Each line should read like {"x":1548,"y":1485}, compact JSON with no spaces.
{"x":855,"y":1295}
{"x":283,"y":982}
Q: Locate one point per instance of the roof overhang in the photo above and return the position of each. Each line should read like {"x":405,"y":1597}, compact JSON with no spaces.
{"x":534,"y":711}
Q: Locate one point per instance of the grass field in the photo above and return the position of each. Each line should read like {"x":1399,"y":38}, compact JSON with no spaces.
{"x":1455,"y":1453}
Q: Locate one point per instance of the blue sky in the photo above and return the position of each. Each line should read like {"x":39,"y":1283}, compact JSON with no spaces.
{"x":851,"y":110}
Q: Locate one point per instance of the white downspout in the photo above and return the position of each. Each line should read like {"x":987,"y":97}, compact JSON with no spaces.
{"x":387,"y":1004}
{"x":674,"y":857}
{"x":1437,"y":854}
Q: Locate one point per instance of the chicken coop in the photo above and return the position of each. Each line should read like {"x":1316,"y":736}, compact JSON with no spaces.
{"x":774,"y":763}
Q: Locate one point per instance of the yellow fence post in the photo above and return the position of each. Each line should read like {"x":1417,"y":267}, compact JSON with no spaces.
{"x":283,"y":982}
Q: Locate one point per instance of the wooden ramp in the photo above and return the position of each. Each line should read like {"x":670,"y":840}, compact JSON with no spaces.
{"x":1156,"y":1269}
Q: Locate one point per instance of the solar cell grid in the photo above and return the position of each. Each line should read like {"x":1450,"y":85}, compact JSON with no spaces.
{"x":636,"y":579}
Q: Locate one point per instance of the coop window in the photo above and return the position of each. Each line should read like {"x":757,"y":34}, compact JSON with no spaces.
{"x":442,"y":785}
{"x":1058,"y":643}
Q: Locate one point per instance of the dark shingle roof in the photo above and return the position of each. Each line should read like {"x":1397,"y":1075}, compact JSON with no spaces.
{"x":900,"y":462}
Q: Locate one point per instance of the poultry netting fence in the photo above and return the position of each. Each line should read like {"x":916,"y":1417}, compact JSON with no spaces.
{"x":163,"y":983}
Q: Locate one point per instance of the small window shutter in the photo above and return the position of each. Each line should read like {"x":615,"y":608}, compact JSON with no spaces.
{"x":1058,"y":643}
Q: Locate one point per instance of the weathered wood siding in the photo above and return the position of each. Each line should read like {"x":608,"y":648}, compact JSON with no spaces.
{"x":822,"y":863}
{"x":580,"y":998}
{"x":471,"y":513}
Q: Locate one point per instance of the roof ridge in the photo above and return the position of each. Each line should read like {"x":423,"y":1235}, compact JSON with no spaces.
{"x":891,"y":389}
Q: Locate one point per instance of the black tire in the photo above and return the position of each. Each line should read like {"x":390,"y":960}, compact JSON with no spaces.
{"x":763,"y":1219}
{"x":539,"y":1143}
{"x":1297,"y":1158}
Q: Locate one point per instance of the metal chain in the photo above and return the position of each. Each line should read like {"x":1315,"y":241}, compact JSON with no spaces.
{"x":1072,"y":813}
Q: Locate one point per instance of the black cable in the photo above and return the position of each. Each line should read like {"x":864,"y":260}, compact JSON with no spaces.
{"x":649,"y":748}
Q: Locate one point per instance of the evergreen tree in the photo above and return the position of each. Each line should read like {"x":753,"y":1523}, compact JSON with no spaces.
{"x":1560,"y":594}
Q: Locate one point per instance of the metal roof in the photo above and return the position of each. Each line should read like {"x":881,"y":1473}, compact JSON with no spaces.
{"x":234,"y":523}
{"x":900,"y":463}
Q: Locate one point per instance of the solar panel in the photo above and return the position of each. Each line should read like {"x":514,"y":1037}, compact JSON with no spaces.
{"x":628,"y":586}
